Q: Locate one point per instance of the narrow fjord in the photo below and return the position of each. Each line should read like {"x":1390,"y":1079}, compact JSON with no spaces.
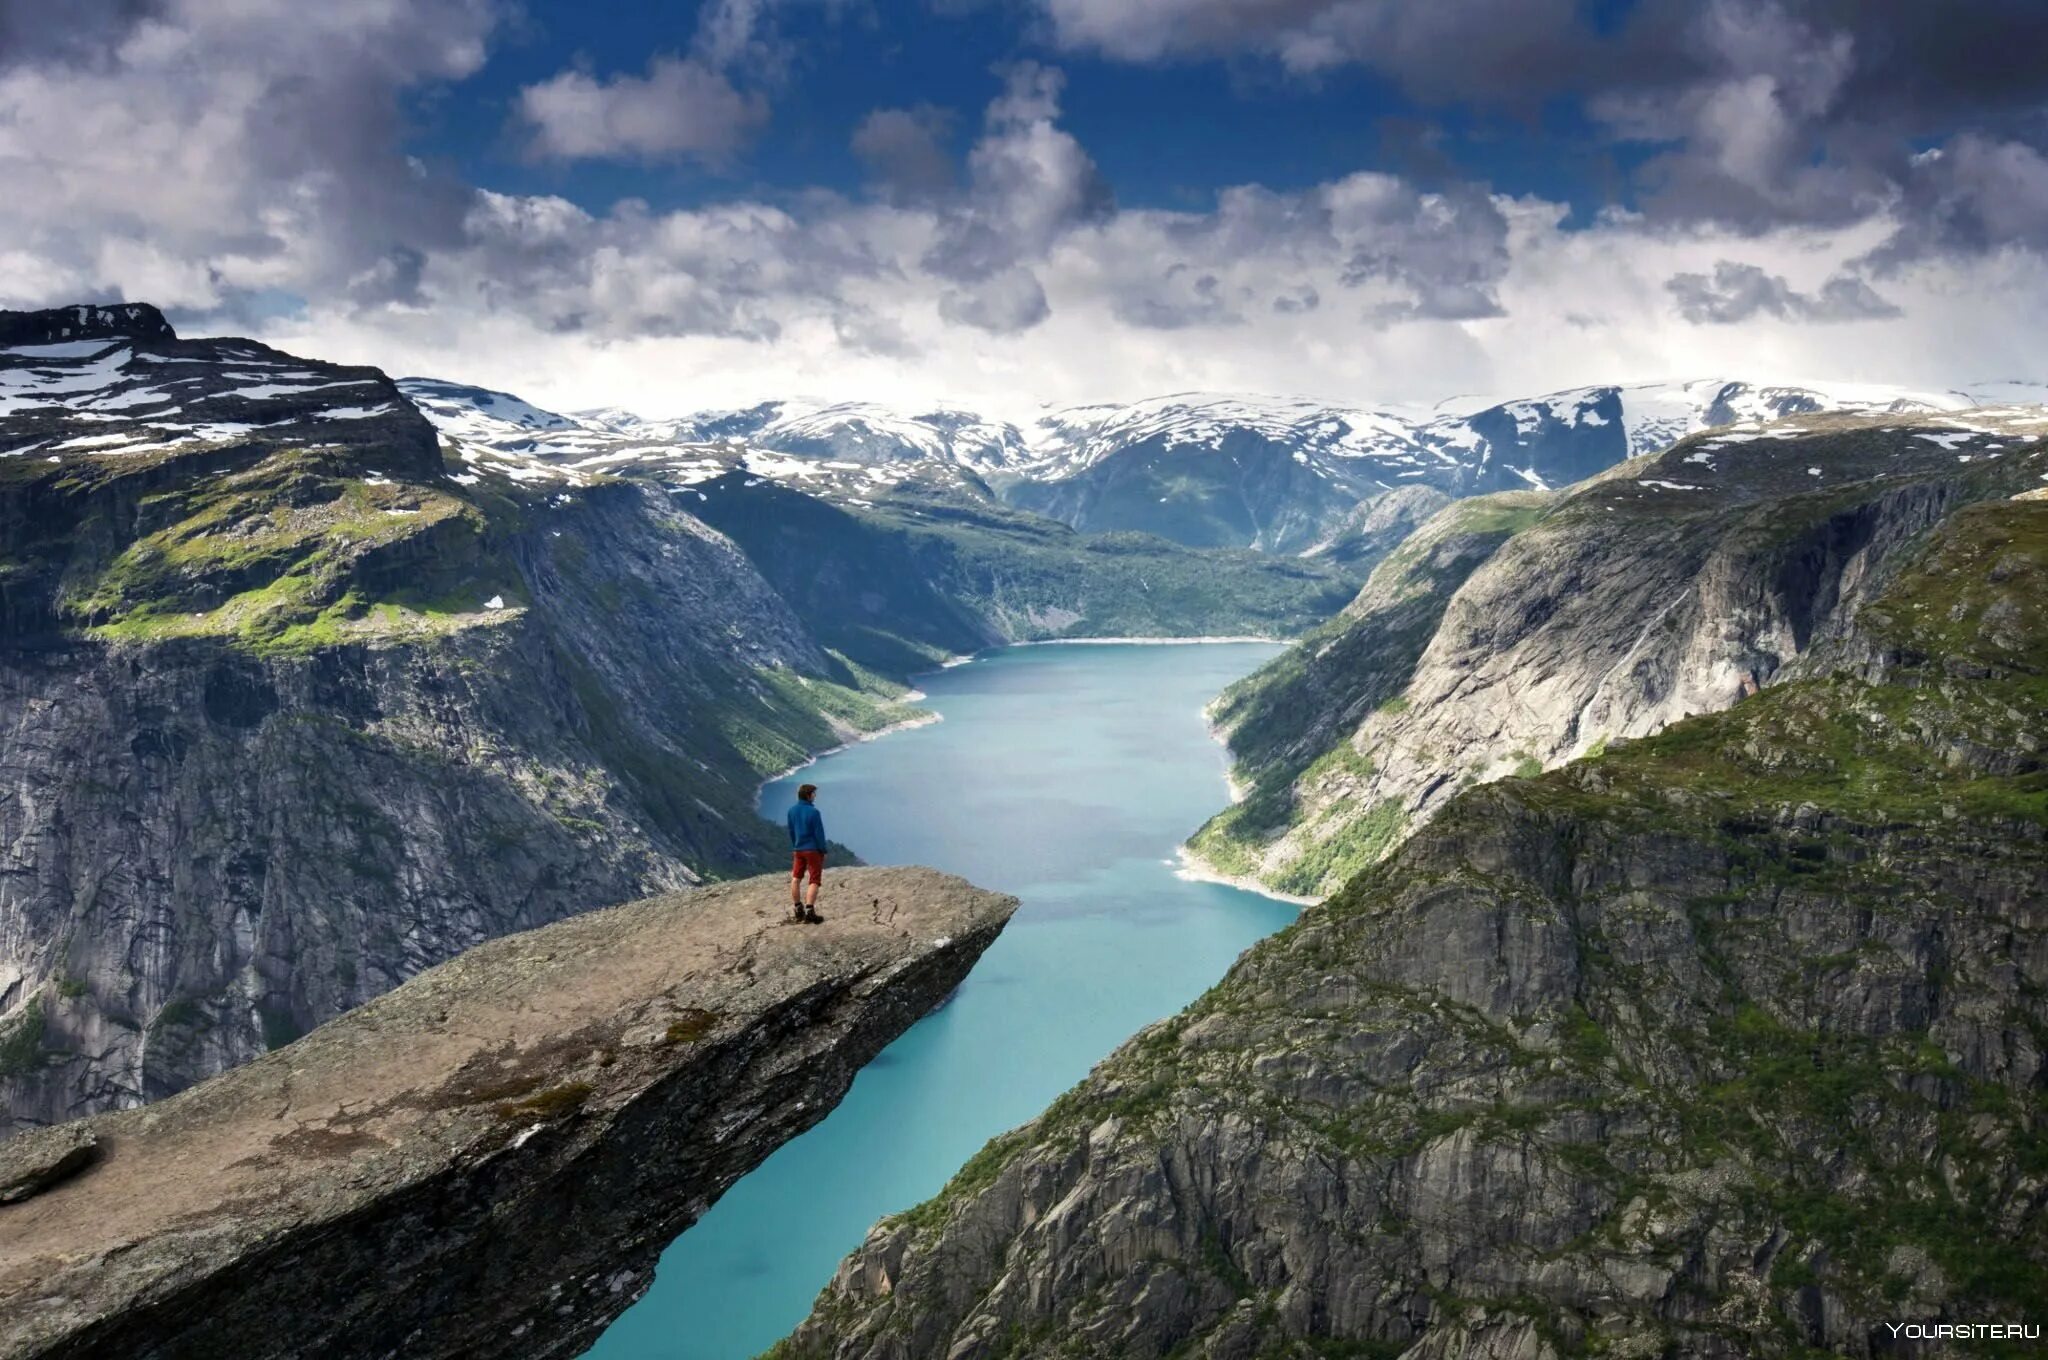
{"x":1067,"y":775}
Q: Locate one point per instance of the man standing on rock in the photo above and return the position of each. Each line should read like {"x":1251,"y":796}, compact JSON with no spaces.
{"x":807,"y":844}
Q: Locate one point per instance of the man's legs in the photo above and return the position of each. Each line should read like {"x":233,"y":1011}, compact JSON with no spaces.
{"x":804,"y":906}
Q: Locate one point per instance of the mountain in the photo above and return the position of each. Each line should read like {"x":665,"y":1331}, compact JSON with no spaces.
{"x":312,"y":691}
{"x":849,"y":452}
{"x":1727,"y":1040}
{"x":1283,"y":476}
{"x":311,"y":713}
{"x":1513,"y":633}
{"x":895,"y":551}
{"x":851,"y":431}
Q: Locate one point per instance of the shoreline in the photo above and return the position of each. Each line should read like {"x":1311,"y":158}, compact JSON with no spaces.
{"x":1140,"y":641}
{"x":925,"y":719}
{"x":1194,"y":869}
{"x":1222,"y":738}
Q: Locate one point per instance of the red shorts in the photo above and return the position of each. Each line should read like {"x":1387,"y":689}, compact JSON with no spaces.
{"x":811,"y":860}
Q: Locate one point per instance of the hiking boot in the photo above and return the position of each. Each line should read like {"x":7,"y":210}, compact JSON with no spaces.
{"x":811,"y":917}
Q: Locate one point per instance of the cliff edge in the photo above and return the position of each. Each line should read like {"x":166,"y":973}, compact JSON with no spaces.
{"x":496,"y":1150}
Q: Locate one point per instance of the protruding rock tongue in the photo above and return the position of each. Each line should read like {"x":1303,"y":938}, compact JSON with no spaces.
{"x":116,"y":321}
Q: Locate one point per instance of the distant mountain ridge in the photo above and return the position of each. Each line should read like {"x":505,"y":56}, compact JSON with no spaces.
{"x":1281,"y":475}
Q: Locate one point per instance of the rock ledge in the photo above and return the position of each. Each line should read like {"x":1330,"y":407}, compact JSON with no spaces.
{"x":498,"y":1149}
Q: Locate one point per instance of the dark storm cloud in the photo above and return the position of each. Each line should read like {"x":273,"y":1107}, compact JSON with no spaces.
{"x":1816,"y":112}
{"x":1741,"y":292}
{"x":1443,"y":50}
{"x":1930,"y":63}
{"x":1970,"y":197}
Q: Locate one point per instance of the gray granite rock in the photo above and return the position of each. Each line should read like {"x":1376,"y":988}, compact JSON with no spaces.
{"x":489,"y":1159}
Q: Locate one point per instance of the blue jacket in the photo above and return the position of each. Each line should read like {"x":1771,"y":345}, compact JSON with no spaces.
{"x":806,"y":827}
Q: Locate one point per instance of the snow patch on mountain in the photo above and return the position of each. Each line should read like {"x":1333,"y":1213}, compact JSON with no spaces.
{"x":149,"y":393}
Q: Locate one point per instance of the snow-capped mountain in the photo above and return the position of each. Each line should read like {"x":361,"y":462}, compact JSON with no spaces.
{"x":848,"y":431}
{"x":1652,"y":416}
{"x":849,"y":452}
{"x":498,"y":432}
{"x":1065,"y":442}
{"x":1284,"y":475}
{"x":116,"y":380}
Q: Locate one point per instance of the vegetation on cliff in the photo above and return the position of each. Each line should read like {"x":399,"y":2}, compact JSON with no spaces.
{"x":1289,"y":722}
{"x":1512,"y":634}
{"x":1727,"y":1040}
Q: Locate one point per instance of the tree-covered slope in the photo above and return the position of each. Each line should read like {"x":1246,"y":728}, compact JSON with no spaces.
{"x":909,"y":577}
{"x":1730,"y":1041}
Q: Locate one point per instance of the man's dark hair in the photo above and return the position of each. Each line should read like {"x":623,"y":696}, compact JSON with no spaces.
{"x":805,"y":792}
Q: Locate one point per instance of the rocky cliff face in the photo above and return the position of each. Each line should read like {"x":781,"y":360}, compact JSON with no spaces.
{"x":1670,"y":586}
{"x":487,"y":1160}
{"x":291,"y":713}
{"x":1289,"y":723}
{"x":301,"y":694}
{"x":1730,"y":1041}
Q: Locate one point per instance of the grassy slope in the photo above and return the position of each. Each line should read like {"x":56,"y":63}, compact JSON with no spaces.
{"x":285,"y":553}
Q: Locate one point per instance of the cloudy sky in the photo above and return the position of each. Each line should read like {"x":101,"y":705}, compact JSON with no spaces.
{"x":1011,"y":202}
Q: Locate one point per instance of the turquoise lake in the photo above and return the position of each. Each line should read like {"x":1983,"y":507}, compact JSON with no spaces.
{"x":1067,"y":775}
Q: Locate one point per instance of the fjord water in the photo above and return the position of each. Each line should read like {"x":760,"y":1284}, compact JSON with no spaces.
{"x":1067,"y":775}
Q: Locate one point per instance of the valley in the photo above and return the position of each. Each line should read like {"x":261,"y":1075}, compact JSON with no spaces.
{"x":1049,"y":680}
{"x":1726,"y":1040}
{"x":1644,"y":750}
{"x":1107,"y":939}
{"x":299,"y":707}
